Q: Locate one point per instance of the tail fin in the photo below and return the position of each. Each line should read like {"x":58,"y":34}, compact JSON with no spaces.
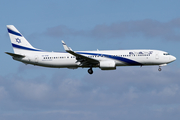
{"x":19,"y":43}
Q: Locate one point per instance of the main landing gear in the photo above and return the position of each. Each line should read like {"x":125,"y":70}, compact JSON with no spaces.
{"x":90,"y":71}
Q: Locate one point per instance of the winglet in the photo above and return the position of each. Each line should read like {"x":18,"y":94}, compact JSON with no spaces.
{"x":65,"y":46}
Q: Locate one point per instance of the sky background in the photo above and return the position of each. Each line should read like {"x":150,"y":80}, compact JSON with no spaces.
{"x":140,"y":93}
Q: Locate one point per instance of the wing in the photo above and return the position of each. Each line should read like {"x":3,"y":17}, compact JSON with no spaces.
{"x":84,"y":60}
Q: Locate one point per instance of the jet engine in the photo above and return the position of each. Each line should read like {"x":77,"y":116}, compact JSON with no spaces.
{"x":107,"y":65}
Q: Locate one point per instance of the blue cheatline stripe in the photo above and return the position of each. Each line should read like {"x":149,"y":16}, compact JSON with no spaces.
{"x":25,"y":48}
{"x":13,"y":32}
{"x":128,"y":61}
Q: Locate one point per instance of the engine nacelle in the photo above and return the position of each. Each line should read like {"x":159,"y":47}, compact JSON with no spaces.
{"x":107,"y":65}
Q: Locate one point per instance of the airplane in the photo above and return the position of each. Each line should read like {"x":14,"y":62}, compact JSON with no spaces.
{"x":103,"y":59}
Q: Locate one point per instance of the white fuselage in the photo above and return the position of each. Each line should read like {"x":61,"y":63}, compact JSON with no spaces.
{"x":120,"y":57}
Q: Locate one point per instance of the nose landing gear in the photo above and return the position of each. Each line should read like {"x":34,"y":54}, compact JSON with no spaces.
{"x":159,"y":69}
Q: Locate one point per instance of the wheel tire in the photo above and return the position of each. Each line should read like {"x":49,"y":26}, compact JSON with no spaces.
{"x":159,"y":69}
{"x":90,"y":71}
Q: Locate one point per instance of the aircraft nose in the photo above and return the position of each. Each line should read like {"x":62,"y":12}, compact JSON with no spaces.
{"x":173,"y":58}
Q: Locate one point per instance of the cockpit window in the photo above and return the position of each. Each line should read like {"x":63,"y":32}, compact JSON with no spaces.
{"x":166,"y":54}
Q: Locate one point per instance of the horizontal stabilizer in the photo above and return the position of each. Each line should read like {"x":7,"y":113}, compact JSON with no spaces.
{"x":14,"y":55}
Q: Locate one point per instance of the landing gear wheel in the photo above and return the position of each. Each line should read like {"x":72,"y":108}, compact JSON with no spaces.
{"x":90,"y":71}
{"x":159,"y":69}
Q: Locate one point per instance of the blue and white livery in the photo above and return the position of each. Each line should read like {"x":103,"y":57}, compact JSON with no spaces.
{"x":105,"y":60}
